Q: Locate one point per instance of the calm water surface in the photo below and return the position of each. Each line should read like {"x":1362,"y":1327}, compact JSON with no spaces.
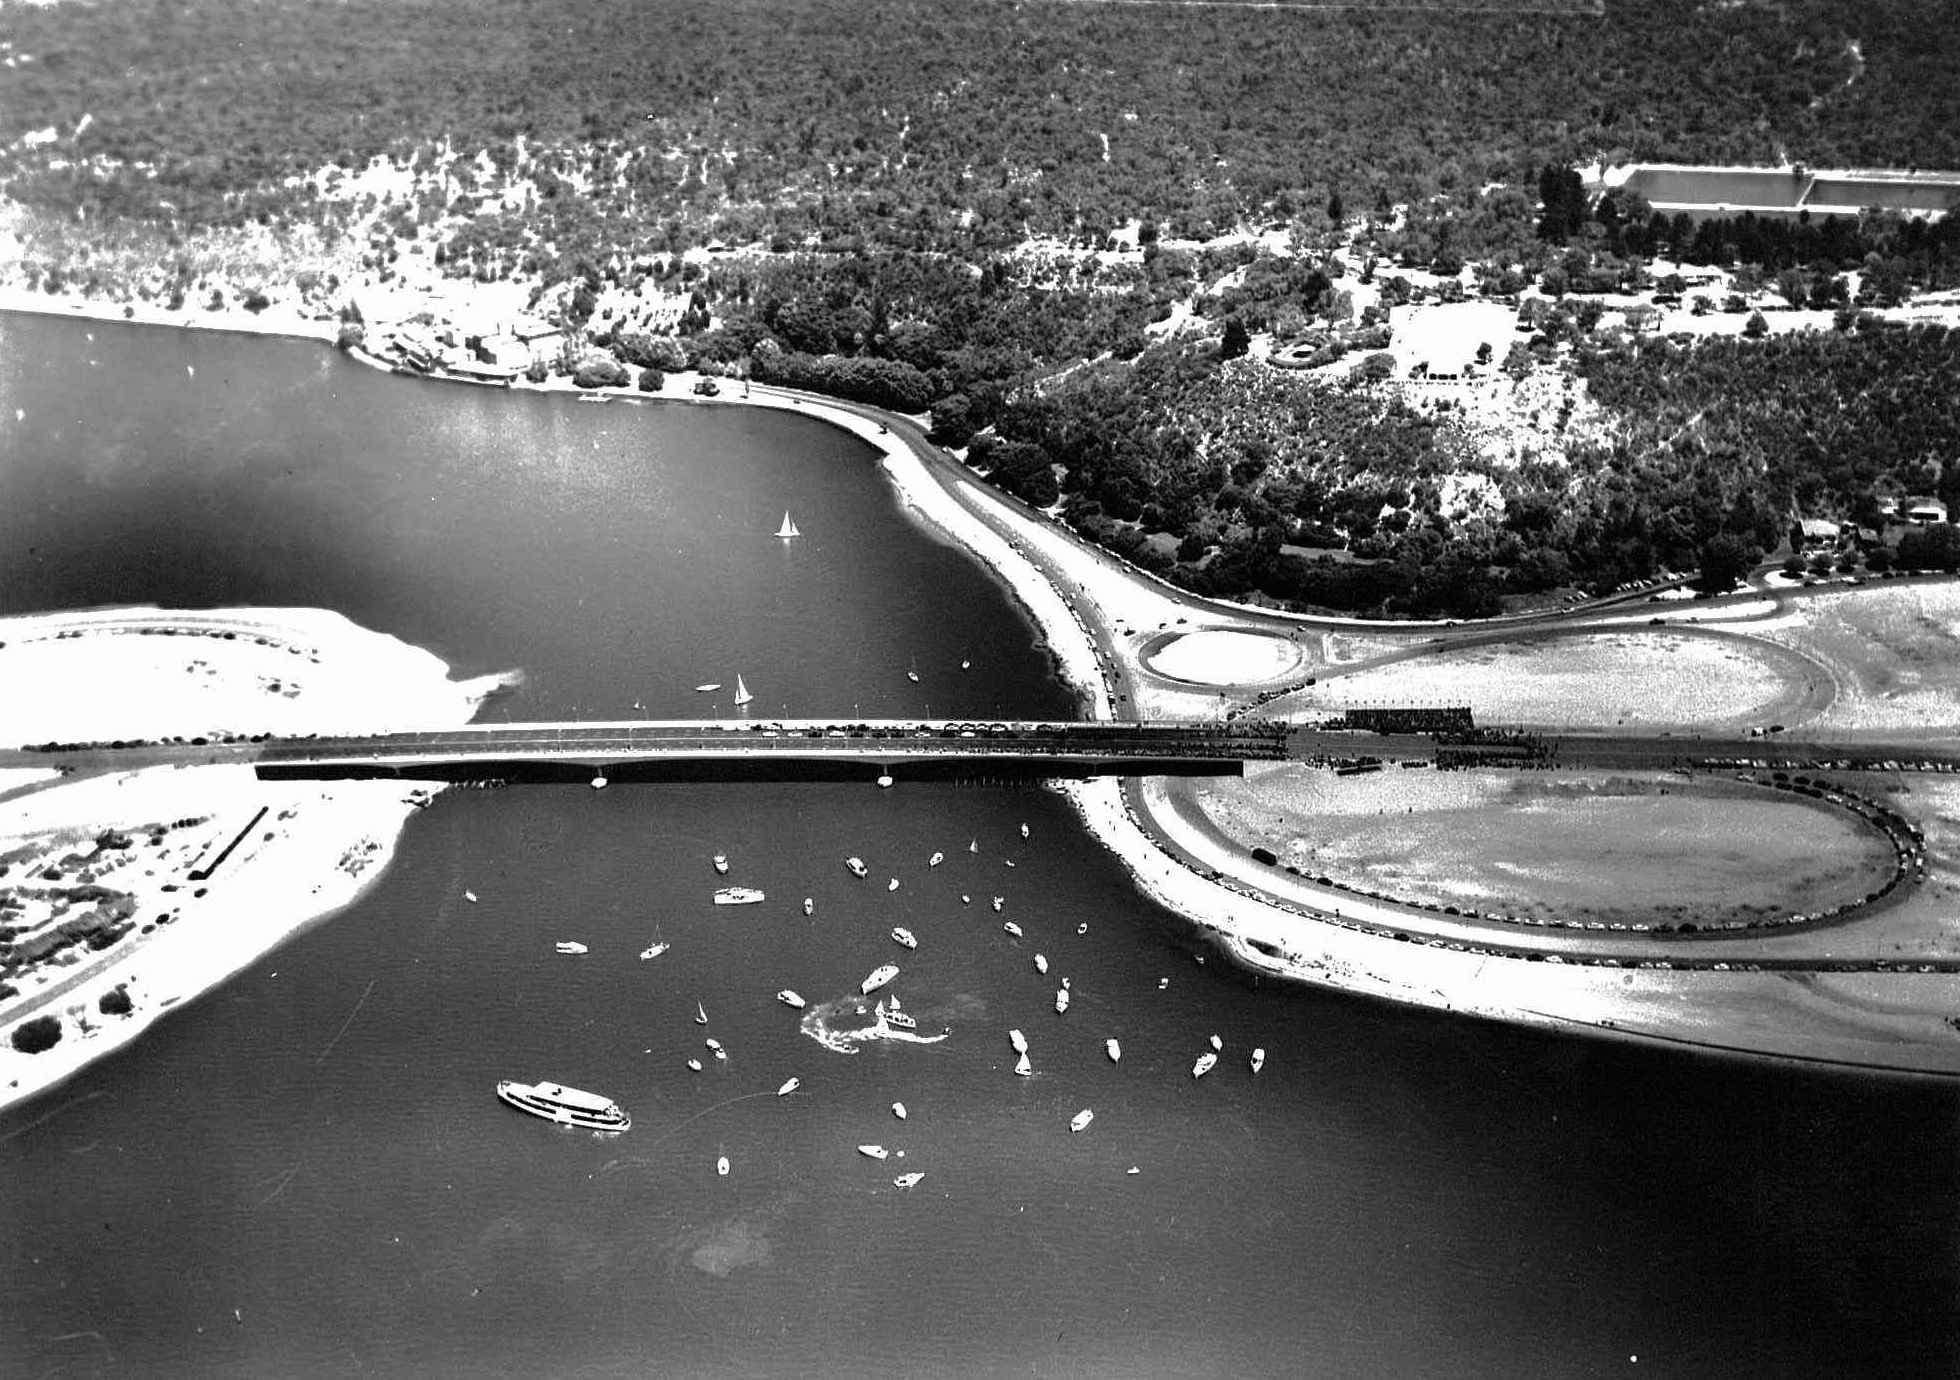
{"x":305,"y":1172}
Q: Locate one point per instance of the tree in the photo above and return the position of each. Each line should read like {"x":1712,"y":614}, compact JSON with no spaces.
{"x":1755,"y":328}
{"x":1933,"y":547}
{"x":1724,"y":560}
{"x":43,"y":1032}
{"x":651,"y":379}
{"x":1237,"y":339}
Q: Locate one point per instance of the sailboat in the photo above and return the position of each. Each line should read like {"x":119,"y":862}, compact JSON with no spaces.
{"x":742,"y":695}
{"x":788,"y":529}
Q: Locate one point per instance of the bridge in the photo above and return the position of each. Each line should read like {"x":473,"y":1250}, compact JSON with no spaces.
{"x":723,"y":750}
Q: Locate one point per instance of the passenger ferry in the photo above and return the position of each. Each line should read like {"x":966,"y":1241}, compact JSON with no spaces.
{"x":566,"y":1106}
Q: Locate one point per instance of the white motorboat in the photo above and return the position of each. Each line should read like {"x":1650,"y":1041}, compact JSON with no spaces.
{"x":901,"y":935}
{"x":567,"y":1106}
{"x":880,"y":975}
{"x":1041,"y":963}
{"x":1012,"y":929}
{"x":1023,"y":1067}
{"x":789,"y":998}
{"x":789,"y":1086}
{"x":893,"y":886}
{"x":965,"y":899}
{"x":1061,"y":1000}
{"x":1204,"y":1064}
{"x":742,"y":695}
{"x":655,"y":949}
{"x":714,"y":1048}
{"x":1082,"y":928}
{"x":855,"y":866}
{"x":876,"y":1152}
{"x":694,"y":1064}
{"x":721,"y":863}
{"x":1081,"y":1119}
{"x":1258,"y":1059}
{"x":570,"y":946}
{"x":1018,"y":1040}
{"x":1163,"y":983}
{"x":907,"y":1180}
{"x":809,"y":905}
{"x":890,"y":1017}
{"x":737,"y":896}
{"x":1115,"y":1050}
{"x":710,"y":686}
{"x":966,"y":663}
{"x":721,"y":1166}
{"x":884,"y":781}
{"x":1024,"y":829}
{"x":470,"y":896}
{"x":999,"y":901}
{"x":898,"y":1110}
{"x":788,"y":529}
{"x":1217,"y":1043}
{"x":599,"y":782}
{"x":935,"y":860}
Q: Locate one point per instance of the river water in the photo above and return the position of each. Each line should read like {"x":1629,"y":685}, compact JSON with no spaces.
{"x":306,"y":1172}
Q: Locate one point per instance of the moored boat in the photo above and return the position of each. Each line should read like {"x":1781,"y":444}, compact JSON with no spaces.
{"x":788,"y":529}
{"x":1115,"y":1050}
{"x":569,"y":946}
{"x":1203,"y":1066}
{"x":1258,"y":1059}
{"x":737,"y":896}
{"x":1081,"y":1119}
{"x":893,"y":886}
{"x":1061,"y":1000}
{"x":470,"y":896}
{"x":809,"y":905}
{"x":711,"y":685}
{"x":999,"y":901}
{"x":1024,"y":829}
{"x":935,"y":860}
{"x":898,"y":1110}
{"x":1023,"y":1067}
{"x":1041,"y":963}
{"x":1012,"y":929}
{"x":655,"y":949}
{"x":876,"y":1152}
{"x":721,"y":1166}
{"x":907,"y":1180}
{"x":789,"y":998}
{"x":901,"y":935}
{"x":567,"y":1106}
{"x":856,"y":866}
{"x":789,"y":1087}
{"x":1217,"y":1043}
{"x":880,"y":975}
{"x":700,"y":1014}
{"x":721,"y":863}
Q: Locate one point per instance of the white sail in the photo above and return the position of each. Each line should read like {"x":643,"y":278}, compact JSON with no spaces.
{"x":788,"y":529}
{"x":742,"y":695}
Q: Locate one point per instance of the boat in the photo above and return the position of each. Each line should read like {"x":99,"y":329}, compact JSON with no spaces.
{"x":912,"y":673}
{"x":999,"y":901}
{"x":935,"y":860}
{"x":704,"y":689}
{"x":1012,"y":929}
{"x":1061,"y":1000}
{"x":1203,"y":1066}
{"x":1163,"y":983}
{"x":599,"y":782}
{"x":1081,"y":1119}
{"x":855,"y":866}
{"x":809,"y":905}
{"x":884,"y":781}
{"x":898,"y":1110}
{"x":904,"y":936}
{"x":1082,"y":928}
{"x":742,"y":695}
{"x":719,"y":1052}
{"x":1258,"y":1059}
{"x":1115,"y":1050}
{"x":973,"y":845}
{"x":876,"y":1152}
{"x":789,"y":1087}
{"x":1023,"y":1067}
{"x":789,"y":998}
{"x":890,"y":1017}
{"x":1040,"y":963}
{"x":470,"y":896}
{"x":721,"y":863}
{"x":1010,"y":862}
{"x":737,"y":896}
{"x":893,"y":886}
{"x":880,"y":975}
{"x":788,"y":529}
{"x":694,"y":1064}
{"x":907,"y":1180}
{"x":570,"y":946}
{"x":700,"y":1014}
{"x":1217,"y":1043}
{"x":654,"y":950}
{"x":1024,"y":829}
{"x":1018,"y":1040}
{"x":567,"y":1106}
{"x":966,"y":663}
{"x":965,"y":899}
{"x":721,"y":1166}
{"x":1133,"y":1170}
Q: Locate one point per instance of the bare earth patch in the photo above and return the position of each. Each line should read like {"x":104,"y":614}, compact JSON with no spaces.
{"x":1891,"y":650}
{"x":1642,"y":847}
{"x":1621,"y":679}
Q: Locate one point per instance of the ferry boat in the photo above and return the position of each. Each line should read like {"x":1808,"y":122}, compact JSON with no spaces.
{"x":907,"y":1180}
{"x":1203,"y":1066}
{"x":855,"y":866}
{"x":789,"y":998}
{"x":1081,"y":1119}
{"x":880,"y":975}
{"x":566,"y":1106}
{"x":901,"y":935}
{"x":721,"y":863}
{"x":737,"y":896}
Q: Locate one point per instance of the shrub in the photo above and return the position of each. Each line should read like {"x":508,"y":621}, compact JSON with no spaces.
{"x":43,"y":1032}
{"x":651,"y":379}
{"x":115,"y":1001}
{"x":597,"y":369}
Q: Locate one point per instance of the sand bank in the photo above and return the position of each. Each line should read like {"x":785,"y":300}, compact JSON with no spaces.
{"x":186,"y":875}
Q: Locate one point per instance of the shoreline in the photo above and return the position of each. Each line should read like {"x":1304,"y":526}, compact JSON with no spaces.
{"x":1260,"y":936}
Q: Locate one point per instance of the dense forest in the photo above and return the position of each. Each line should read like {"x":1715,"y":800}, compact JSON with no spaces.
{"x":843,"y":122}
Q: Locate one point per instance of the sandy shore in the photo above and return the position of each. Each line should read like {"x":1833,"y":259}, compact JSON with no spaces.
{"x":276,"y":856}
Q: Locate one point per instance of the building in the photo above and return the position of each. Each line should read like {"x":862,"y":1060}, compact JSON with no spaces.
{"x":1924,"y":512}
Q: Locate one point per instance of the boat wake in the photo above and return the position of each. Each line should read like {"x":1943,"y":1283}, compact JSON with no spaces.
{"x":848,"y":1023}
